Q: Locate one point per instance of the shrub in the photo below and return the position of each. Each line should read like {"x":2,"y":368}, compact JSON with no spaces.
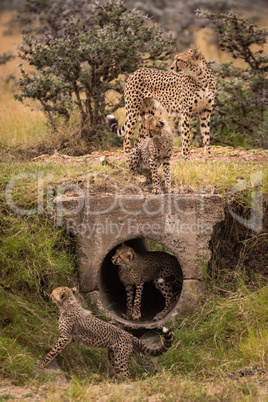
{"x":78,"y":63}
{"x":241,"y":109}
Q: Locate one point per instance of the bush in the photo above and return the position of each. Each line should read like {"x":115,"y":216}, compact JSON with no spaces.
{"x":78,"y":63}
{"x":241,"y":109}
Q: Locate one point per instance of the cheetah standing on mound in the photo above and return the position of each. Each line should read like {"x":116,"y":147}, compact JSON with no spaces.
{"x":78,"y":324}
{"x":135,"y":269}
{"x":151,"y":152}
{"x":189,"y":88}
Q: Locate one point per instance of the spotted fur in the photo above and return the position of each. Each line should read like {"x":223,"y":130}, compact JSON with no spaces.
{"x":135,"y":269}
{"x":188,"y":88}
{"x":155,"y":149}
{"x":78,"y":324}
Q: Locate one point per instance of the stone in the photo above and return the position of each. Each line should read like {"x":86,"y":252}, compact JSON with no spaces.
{"x":182,"y":223}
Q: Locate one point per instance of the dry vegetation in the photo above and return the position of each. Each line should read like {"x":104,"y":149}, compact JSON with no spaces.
{"x":210,"y":348}
{"x":19,"y":123}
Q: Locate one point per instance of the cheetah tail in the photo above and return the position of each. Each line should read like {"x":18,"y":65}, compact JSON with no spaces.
{"x":113,"y":124}
{"x":167,"y":341}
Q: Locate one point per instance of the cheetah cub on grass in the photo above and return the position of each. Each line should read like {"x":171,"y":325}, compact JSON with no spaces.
{"x":152,"y":151}
{"x":78,"y":324}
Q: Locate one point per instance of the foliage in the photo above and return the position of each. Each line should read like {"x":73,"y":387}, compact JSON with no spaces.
{"x":5,"y":57}
{"x":51,"y":266}
{"x":37,"y":17}
{"x":79,"y":63}
{"x":241,"y":109}
{"x":179,"y":15}
{"x":226,"y":334}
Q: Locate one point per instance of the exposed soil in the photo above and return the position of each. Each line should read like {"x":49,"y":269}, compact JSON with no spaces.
{"x":224,"y":154}
{"x":114,"y":159}
{"x":100,"y":392}
{"x":236,"y":248}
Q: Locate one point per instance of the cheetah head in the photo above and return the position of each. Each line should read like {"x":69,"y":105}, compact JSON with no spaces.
{"x":154,"y":125}
{"x":123,"y":255}
{"x":62,"y":293}
{"x":187,"y":62}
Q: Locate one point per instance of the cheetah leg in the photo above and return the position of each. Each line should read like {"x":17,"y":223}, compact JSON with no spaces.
{"x":155,"y":177}
{"x":176,"y":124}
{"x":59,"y":346}
{"x":120,"y":358}
{"x":136,"y":314}
{"x":111,"y":357}
{"x":132,"y":115}
{"x":167,"y":292}
{"x":133,"y":161}
{"x":147,"y":109}
{"x":153,"y":167}
{"x":166,"y":169}
{"x":130,"y":294}
{"x":111,"y":360}
{"x":185,"y":132}
{"x":204,"y":118}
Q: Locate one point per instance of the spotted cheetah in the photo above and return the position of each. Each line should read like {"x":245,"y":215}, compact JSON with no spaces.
{"x":135,"y":269}
{"x":78,"y":324}
{"x":190,"y":87}
{"x":151,"y":152}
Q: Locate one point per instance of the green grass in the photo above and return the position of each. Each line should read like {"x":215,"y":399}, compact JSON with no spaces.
{"x":222,"y":176}
{"x":228,"y":333}
{"x":193,"y":176}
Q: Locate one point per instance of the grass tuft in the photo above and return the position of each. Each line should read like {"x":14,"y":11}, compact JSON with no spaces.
{"x":226,"y":334}
{"x":24,"y":126}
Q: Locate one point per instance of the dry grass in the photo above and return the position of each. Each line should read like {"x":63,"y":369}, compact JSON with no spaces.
{"x":222,"y":172}
{"x":155,"y":389}
{"x":20,"y":123}
{"x":9,"y":44}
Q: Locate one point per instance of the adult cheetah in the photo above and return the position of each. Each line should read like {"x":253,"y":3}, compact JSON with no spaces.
{"x":189,"y":88}
{"x":155,"y":149}
{"x":78,"y":324}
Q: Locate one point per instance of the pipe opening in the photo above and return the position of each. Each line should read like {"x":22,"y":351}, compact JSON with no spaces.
{"x":113,"y":292}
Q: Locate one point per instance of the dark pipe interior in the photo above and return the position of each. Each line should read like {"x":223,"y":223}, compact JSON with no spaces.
{"x":114,"y":292}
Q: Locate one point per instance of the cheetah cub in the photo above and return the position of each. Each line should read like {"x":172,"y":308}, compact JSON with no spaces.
{"x":135,"y":269}
{"x":155,"y":149}
{"x":78,"y":324}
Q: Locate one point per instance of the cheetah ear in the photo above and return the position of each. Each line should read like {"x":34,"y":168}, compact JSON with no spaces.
{"x":62,"y":296}
{"x":148,"y":117}
{"x":74,"y":290}
{"x":197,"y":53}
{"x":130,"y":256}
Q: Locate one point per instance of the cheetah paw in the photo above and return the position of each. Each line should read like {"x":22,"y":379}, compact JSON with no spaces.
{"x":136,"y":316}
{"x":126,"y":316}
{"x":156,"y":191}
